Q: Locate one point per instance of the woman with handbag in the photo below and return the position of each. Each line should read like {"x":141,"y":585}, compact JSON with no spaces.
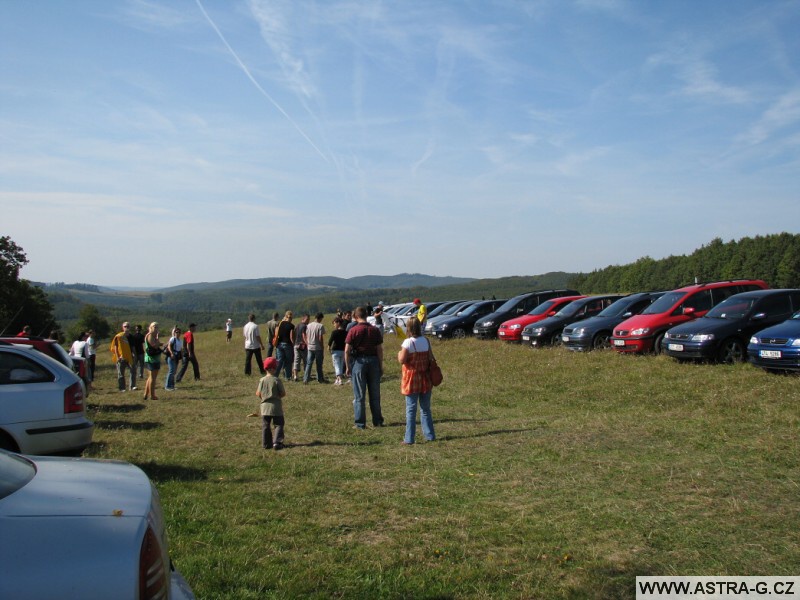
{"x":416,"y":357}
{"x":152,"y":360}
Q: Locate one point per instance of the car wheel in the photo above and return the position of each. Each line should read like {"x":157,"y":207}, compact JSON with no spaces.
{"x":459,"y":333}
{"x":731,"y":351}
{"x":556,"y":340}
{"x":7,"y":442}
{"x":602,"y":340}
{"x":657,"y":344}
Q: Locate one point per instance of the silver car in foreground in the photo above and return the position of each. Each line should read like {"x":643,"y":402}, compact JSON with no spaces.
{"x":82,"y":528}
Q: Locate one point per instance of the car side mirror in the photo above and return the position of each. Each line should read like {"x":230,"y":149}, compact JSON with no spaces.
{"x":627,"y":314}
{"x":759,"y":316}
{"x":551,"y":313}
{"x":689,"y":311}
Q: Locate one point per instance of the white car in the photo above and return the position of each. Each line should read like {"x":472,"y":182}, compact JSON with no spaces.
{"x":42,"y":409}
{"x":82,"y":528}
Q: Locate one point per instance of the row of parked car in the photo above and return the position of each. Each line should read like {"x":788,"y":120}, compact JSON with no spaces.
{"x":54,"y":509}
{"x":727,"y":321}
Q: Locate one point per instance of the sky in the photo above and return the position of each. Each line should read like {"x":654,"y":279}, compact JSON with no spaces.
{"x":147,"y":143}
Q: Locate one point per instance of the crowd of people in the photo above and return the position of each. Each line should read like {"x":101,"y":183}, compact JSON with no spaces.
{"x":297,"y":351}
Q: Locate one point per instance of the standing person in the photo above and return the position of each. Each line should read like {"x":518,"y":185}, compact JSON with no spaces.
{"x":152,"y":360}
{"x":272,"y":325}
{"x":422,"y":312}
{"x":26,"y":332}
{"x":174,"y":352}
{"x":136,"y":341}
{"x":189,"y":355}
{"x":78,"y":347}
{"x":253,"y":345}
{"x":91,"y":353}
{"x":336,"y":344}
{"x":364,"y":359}
{"x":284,"y":336}
{"x":228,"y":330}
{"x":271,"y":392}
{"x":300,"y":346}
{"x":121,"y":355}
{"x":315,"y":341}
{"x":415,"y":381}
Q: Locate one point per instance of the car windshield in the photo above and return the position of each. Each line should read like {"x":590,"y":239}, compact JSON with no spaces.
{"x":732,"y":308}
{"x":664,"y":303}
{"x":509,"y":305}
{"x":570,"y":309}
{"x":456,"y":309}
{"x":440,"y":309}
{"x":543,"y":308}
{"x":63,"y":357}
{"x":617,"y":308}
{"x":15,"y":472}
{"x":471,"y":310}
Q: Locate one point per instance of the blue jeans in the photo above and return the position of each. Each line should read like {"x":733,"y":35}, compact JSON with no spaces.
{"x":285,"y":355}
{"x":425,"y":417}
{"x":172,"y":363}
{"x":314,"y":356}
{"x":366,"y":371}
{"x":338,"y":362}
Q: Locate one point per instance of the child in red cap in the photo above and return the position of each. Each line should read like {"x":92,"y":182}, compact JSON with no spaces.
{"x":271,"y":392}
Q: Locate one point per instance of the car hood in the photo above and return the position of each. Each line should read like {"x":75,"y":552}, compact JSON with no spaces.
{"x":706,"y":325}
{"x":552,"y":322}
{"x":81,"y":488}
{"x":787,"y":329}
{"x":600,"y":322}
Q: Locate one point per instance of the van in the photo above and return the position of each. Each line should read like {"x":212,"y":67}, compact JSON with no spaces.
{"x":644,"y":332}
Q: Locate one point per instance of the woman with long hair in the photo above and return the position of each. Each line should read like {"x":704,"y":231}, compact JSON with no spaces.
{"x":152,"y":360}
{"x":415,"y":383}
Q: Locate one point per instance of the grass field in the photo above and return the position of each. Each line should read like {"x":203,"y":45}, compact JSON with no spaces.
{"x":555,"y":475}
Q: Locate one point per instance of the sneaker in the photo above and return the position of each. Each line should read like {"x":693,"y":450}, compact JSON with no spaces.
{"x":133,"y":388}
{"x":277,"y":446}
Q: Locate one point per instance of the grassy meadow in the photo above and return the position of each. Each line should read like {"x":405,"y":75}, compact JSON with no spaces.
{"x":555,"y":475}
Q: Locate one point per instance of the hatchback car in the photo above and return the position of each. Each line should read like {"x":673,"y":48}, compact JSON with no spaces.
{"x":430,"y":322}
{"x":54,"y":350}
{"x":488,"y":326}
{"x":595,"y":332}
{"x":42,"y":408}
{"x":724,"y":332}
{"x":777,"y":348}
{"x":644,"y":332}
{"x":511,"y":330}
{"x":548,"y":332}
{"x":80,"y":528}
{"x":460,"y":325}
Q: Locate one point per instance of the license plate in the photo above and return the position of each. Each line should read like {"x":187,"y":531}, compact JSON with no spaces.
{"x":619,"y":342}
{"x":475,"y":331}
{"x":565,"y":338}
{"x":769,"y":353}
{"x":526,"y":338}
{"x":675,"y":347}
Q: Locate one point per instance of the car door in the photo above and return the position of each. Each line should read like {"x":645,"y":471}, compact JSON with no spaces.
{"x":28,"y":391}
{"x":774,"y":308}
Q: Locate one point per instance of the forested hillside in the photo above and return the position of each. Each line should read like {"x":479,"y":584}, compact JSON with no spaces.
{"x":773,"y":258}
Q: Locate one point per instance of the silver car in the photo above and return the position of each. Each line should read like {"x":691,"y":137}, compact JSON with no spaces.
{"x":82,"y":528}
{"x":42,"y":408}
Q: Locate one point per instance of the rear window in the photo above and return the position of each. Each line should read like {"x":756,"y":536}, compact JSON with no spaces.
{"x":16,"y":369}
{"x":543,"y":308}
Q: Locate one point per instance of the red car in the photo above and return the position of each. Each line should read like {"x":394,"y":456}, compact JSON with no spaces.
{"x":644,"y":332}
{"x":511,"y":331}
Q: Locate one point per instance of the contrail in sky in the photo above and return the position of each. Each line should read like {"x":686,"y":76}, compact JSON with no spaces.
{"x":255,"y":83}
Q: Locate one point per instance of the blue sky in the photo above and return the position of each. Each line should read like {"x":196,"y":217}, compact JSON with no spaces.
{"x":148,"y":143}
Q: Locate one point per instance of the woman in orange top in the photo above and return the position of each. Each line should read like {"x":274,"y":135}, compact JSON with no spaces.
{"x":415,"y":383}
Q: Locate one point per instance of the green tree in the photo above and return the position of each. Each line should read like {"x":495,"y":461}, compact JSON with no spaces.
{"x":90,"y":318}
{"x":20,"y":302}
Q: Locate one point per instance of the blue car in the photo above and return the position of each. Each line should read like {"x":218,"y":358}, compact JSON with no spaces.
{"x":777,"y":348}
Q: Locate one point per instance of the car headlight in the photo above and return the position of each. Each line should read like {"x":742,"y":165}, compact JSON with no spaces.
{"x":641,"y":331}
{"x":579,"y":331}
{"x":515,"y":326}
{"x":538,"y":330}
{"x":702,"y":337}
{"x":796,"y":342}
{"x":667,"y":336}
{"x":754,"y":340}
{"x":443,"y":326}
{"x":488,"y":323}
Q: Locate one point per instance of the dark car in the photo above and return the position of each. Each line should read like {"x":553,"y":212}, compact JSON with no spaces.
{"x":486,"y":327}
{"x":548,"y":331}
{"x":460,"y":325}
{"x":595,"y":332}
{"x":724,"y":332}
{"x":777,"y":348}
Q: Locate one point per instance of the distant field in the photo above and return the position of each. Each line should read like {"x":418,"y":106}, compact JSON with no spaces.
{"x":554,"y":476}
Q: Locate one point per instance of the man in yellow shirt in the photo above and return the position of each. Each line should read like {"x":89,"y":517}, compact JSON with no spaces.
{"x":121,"y":353}
{"x":422,"y":312}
